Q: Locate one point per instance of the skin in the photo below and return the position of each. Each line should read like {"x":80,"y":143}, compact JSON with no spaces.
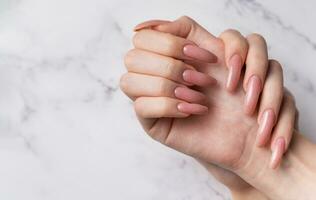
{"x":215,"y":110}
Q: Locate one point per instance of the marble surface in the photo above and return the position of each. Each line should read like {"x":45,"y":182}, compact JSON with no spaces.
{"x":67,"y":132}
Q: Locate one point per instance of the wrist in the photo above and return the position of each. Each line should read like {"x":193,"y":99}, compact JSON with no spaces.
{"x":249,"y":194}
{"x":294,"y":179}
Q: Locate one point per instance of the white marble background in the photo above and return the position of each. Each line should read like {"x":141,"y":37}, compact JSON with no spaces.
{"x":67,"y":132}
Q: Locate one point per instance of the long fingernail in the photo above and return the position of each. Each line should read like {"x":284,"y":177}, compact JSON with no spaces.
{"x":150,"y":24}
{"x":198,"y":53}
{"x":190,"y":108}
{"x":277,"y":153}
{"x":188,"y":94}
{"x":235,"y":65}
{"x":198,"y":78}
{"x":252,"y":94}
{"x":265,"y":127}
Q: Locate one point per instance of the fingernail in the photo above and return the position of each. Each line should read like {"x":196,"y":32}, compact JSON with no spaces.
{"x":252,"y":94}
{"x":150,"y":24}
{"x":188,"y":94}
{"x":265,"y":127}
{"x":198,"y":78}
{"x":198,"y":53}
{"x":277,"y":153}
{"x":235,"y":65}
{"x":190,"y":108}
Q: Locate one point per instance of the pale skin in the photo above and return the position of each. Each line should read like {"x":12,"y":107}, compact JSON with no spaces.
{"x":189,"y":99}
{"x":144,"y":62}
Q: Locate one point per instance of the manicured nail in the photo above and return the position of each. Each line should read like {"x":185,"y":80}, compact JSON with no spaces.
{"x":190,"y":108}
{"x":252,"y":94}
{"x":188,"y":94}
{"x":198,"y":78}
{"x":277,"y":153}
{"x":150,"y":24}
{"x":195,"y":52}
{"x":235,"y":65}
{"x":265,"y":127}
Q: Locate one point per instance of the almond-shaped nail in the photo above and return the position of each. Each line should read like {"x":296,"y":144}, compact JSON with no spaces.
{"x":199,"y":53}
{"x":149,"y":24}
{"x":198,"y":78}
{"x":191,"y":108}
{"x":189,"y":95}
{"x":265,"y":127}
{"x":277,"y":153}
{"x":235,"y":65}
{"x":252,"y":94}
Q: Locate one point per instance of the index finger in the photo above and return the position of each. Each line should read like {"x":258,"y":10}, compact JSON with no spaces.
{"x":169,"y":45}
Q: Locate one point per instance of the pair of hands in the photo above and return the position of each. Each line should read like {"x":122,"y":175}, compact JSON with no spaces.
{"x":185,"y":85}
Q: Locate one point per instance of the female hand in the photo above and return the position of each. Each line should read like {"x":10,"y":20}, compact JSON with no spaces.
{"x":220,"y":135}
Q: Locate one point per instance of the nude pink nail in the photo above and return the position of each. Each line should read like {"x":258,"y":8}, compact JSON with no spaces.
{"x":198,"y":53}
{"x":190,"y":108}
{"x":198,"y":78}
{"x":188,"y":94}
{"x":252,"y":94}
{"x":235,"y":65}
{"x":265,"y":127}
{"x":277,"y":153}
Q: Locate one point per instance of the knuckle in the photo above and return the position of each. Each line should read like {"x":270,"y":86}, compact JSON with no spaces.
{"x":255,"y":37}
{"x":162,"y":86}
{"x":230,"y":32}
{"x":124,"y":82}
{"x":137,"y":38}
{"x":129,"y":58}
{"x":170,"y":45}
{"x":138,"y":107}
{"x":170,"y":67}
{"x":275,"y":65}
{"x":186,"y":19}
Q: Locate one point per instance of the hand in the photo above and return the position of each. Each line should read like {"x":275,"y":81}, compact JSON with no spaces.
{"x":207,"y":136}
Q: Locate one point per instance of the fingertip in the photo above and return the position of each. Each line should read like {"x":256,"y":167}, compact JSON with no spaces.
{"x":277,"y":153}
{"x":190,"y":108}
{"x":195,"y":52}
{"x":188,"y":94}
{"x":266,"y":124}
{"x":234,"y":66}
{"x":198,"y":78}
{"x":252,"y":94}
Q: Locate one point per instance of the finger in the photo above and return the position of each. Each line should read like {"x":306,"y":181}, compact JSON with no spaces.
{"x":256,"y":68}
{"x":277,"y":153}
{"x":159,"y":107}
{"x":283,"y":131}
{"x":137,"y":85}
{"x":170,"y":45}
{"x":145,"y":62}
{"x":236,"y":48}
{"x":287,"y":120}
{"x":150,"y":24}
{"x":270,"y":103}
{"x":186,"y":27}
